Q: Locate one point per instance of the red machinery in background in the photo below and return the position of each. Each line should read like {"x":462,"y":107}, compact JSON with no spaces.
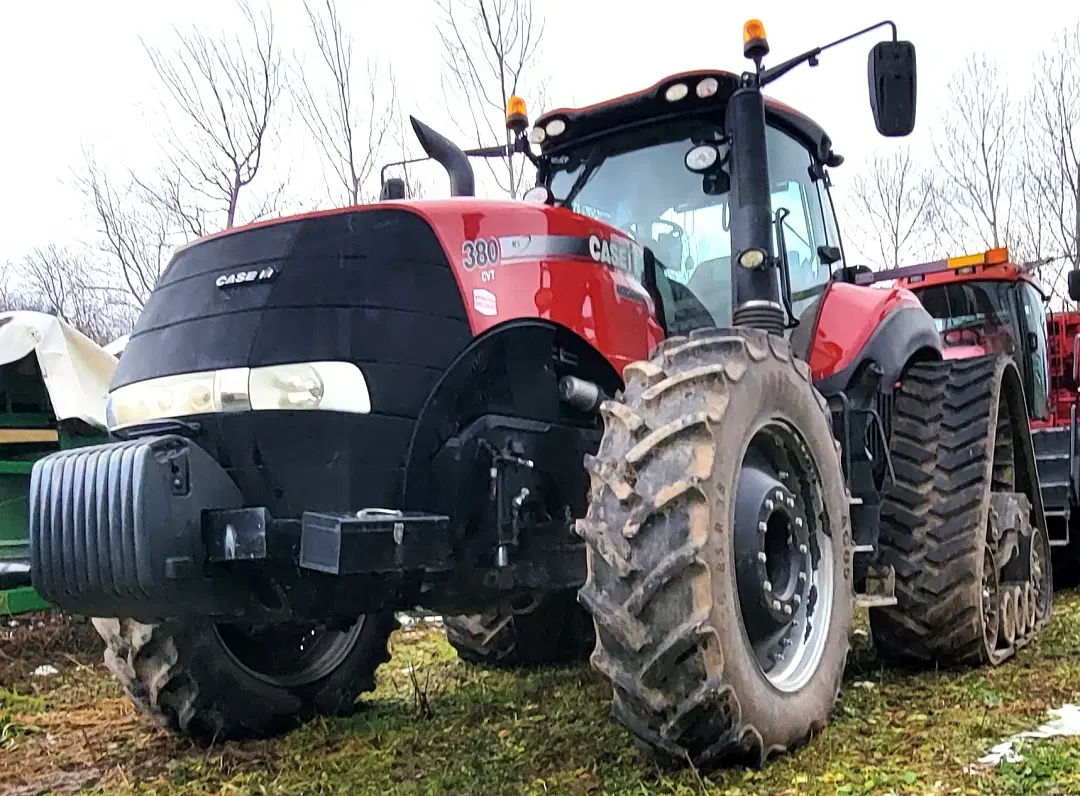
{"x":984,"y":303}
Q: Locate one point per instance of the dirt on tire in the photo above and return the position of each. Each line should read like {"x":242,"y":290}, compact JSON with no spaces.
{"x":661,"y":564}
{"x":548,"y":629}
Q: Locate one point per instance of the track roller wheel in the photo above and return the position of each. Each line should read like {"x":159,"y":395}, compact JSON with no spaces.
{"x":973,"y":582}
{"x":536,"y":630}
{"x":719,"y":551}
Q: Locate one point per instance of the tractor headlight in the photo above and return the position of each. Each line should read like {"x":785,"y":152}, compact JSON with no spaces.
{"x":329,"y":386}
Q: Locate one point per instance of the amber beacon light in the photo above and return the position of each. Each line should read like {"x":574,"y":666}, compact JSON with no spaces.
{"x":517,"y":116}
{"x":755,"y":44}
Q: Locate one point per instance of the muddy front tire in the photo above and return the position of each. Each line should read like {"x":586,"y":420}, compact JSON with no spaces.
{"x":213,"y":682}
{"x":719,"y":551}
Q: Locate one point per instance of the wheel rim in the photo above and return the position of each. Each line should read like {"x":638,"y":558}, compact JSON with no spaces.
{"x":783,"y":557}
{"x":288,"y":655}
{"x":1041,"y":582}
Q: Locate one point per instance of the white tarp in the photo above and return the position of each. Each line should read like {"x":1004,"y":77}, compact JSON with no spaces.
{"x":77,"y":370}
{"x":117,"y":346}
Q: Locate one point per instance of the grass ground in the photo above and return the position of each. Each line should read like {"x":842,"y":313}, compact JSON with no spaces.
{"x":462,"y":730}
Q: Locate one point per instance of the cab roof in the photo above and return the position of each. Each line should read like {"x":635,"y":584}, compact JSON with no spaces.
{"x":651,"y":106}
{"x":991,"y":265}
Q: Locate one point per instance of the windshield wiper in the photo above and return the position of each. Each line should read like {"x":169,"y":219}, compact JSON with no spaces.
{"x":596,"y":157}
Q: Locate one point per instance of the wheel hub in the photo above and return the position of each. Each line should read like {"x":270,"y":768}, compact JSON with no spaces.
{"x":784,"y":556}
{"x":779,"y":558}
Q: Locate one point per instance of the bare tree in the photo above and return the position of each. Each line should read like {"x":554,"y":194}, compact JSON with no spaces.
{"x":139,"y":224}
{"x":895,"y":208}
{"x":1053,"y":145}
{"x":349,"y":116}
{"x":69,"y":285}
{"x":488,"y":45}
{"x":975,"y":150}
{"x":224,"y":94}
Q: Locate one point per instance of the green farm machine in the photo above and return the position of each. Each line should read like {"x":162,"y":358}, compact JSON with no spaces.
{"x":53,"y":385}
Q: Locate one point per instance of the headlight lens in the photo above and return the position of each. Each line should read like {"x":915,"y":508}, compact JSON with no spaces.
{"x":329,"y":386}
{"x":285,"y":387}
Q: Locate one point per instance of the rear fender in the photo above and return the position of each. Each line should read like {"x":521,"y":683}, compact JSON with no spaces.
{"x":859,"y":325}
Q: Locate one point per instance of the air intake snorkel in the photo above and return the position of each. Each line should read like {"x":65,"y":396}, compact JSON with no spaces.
{"x":449,"y":156}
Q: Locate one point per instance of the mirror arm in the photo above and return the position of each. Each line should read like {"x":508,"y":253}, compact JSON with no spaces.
{"x":520,"y":146}
{"x":382,"y":171}
{"x":811,"y":56}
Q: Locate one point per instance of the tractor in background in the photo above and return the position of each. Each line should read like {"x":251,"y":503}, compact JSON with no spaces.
{"x":986,"y":302}
{"x":654,"y":385}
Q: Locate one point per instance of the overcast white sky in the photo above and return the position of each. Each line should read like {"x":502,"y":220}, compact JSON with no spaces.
{"x":75,"y":73}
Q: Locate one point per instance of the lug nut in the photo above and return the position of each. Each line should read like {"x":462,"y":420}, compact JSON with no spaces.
{"x":787,"y":610}
{"x":762,"y":557}
{"x":802,"y":549}
{"x":767,"y":585}
{"x":776,"y":605}
{"x":791,"y":503}
{"x":763,"y":527}
{"x":786,"y":642}
{"x":798,"y":522}
{"x":797,"y":599}
{"x":779,"y":495}
{"x":779,"y":657}
{"x":769,"y":505}
{"x":802,"y":577}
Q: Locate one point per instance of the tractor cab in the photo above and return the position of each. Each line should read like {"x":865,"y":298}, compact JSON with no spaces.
{"x":656,"y":165}
{"x":982,"y":304}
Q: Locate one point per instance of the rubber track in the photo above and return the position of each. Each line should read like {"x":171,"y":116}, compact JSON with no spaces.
{"x":149,"y":661}
{"x":935,"y":516}
{"x":643,"y":583}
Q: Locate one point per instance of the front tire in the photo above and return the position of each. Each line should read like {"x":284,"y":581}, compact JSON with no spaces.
{"x":719,"y":551}
{"x":212,"y":682}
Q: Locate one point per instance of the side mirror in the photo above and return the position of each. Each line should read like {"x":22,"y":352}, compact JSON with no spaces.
{"x":393,"y":188}
{"x":1074,"y":285}
{"x":891,"y":74}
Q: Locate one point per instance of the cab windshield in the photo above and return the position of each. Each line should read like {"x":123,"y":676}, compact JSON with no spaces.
{"x":638,"y":182}
{"x":999,"y":316}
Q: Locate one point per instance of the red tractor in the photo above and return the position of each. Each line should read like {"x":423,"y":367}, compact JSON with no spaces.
{"x":986,"y":303}
{"x":319,"y":420}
